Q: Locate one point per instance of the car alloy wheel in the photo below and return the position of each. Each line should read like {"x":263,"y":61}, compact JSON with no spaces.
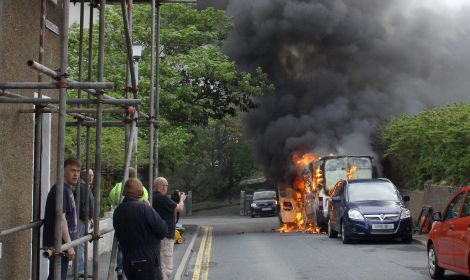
{"x":344,"y":237}
{"x":435,"y":271}
{"x":331,"y":232}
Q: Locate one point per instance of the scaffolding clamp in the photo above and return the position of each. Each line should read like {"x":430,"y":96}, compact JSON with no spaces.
{"x":50,"y":253}
{"x":62,"y":84}
{"x":40,"y":109}
{"x":99,"y":100}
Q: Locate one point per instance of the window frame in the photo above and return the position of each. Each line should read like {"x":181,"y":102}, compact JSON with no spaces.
{"x":463,"y":194}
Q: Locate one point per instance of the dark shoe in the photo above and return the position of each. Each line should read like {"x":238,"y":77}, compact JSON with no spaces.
{"x":81,"y":275}
{"x":120,"y":274}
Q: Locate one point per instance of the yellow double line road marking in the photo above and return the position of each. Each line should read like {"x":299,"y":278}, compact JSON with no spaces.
{"x":201,"y":268}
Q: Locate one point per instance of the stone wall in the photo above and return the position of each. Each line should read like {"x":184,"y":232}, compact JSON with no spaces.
{"x":433,"y":195}
{"x":19,"y":42}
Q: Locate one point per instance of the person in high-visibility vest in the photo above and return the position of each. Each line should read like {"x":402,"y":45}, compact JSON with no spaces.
{"x":115,"y":194}
{"x":114,"y":199}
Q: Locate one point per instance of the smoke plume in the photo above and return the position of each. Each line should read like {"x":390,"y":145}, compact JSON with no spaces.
{"x":340,"y":67}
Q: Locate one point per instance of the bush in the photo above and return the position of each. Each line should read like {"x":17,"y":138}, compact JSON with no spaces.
{"x":432,"y":145}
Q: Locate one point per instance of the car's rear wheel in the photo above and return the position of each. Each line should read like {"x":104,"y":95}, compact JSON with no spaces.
{"x":344,"y":236}
{"x":435,"y":271}
{"x":331,"y":232}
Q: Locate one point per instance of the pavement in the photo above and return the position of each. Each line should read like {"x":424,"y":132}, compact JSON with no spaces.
{"x":420,"y":238}
{"x":180,"y":250}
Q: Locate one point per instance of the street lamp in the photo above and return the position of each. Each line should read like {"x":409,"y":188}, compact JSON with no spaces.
{"x":137,"y":55}
{"x":137,"y":51}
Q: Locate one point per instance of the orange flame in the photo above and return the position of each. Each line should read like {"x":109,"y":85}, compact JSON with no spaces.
{"x":318,"y":178}
{"x":351,"y":171}
{"x":303,"y":189}
{"x":302,"y":160}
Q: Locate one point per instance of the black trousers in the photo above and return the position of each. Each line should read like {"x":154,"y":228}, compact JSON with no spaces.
{"x":64,"y":263}
{"x":142,"y":269}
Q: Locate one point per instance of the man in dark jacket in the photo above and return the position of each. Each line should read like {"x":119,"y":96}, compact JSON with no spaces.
{"x":139,"y":230}
{"x":167,"y":208}
{"x":68,"y":218}
{"x":85,"y":184}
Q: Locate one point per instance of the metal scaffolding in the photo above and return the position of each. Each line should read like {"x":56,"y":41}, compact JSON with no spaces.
{"x":91,"y":116}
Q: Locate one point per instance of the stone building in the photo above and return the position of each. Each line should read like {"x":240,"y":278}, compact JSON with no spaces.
{"x":20,"y":32}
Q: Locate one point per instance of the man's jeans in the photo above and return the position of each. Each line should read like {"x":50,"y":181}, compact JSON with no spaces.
{"x":80,"y":248}
{"x":166,"y":257}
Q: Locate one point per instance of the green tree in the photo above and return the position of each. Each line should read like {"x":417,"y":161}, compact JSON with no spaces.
{"x":199,"y":86}
{"x":220,"y":159}
{"x":432,"y":145}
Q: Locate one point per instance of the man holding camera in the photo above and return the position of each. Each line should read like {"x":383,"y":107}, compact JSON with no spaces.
{"x":167,"y":209}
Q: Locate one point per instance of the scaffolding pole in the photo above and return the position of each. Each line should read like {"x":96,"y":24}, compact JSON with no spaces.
{"x":61,"y":141}
{"x":130,"y":140}
{"x":63,"y":83}
{"x":79,"y":131}
{"x":157,"y":90}
{"x":152,"y":101}
{"x":55,"y":75}
{"x":10,"y":97}
{"x":58,"y":85}
{"x":99,"y":108}
{"x":80,"y":111}
{"x":35,"y":243}
{"x":110,"y":124}
{"x":20,"y":228}
{"x":88,"y":138}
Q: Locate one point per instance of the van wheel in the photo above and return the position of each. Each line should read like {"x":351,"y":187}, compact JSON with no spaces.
{"x":331,"y":232}
{"x":344,"y":236}
{"x":435,"y":271}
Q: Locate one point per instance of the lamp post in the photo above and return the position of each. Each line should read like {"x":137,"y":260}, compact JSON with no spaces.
{"x":137,"y":55}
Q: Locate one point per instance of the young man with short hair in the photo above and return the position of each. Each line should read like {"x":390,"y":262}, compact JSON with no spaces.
{"x":68,"y":218}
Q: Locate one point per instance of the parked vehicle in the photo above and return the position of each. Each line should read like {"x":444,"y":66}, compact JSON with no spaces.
{"x":287,"y":204}
{"x":264,"y":204}
{"x":448,"y":242}
{"x":320,"y":178}
{"x":368,"y":208}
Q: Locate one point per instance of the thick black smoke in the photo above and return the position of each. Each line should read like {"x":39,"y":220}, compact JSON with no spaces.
{"x":342,"y":66}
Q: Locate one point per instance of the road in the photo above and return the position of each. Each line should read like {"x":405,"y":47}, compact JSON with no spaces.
{"x":233,"y":247}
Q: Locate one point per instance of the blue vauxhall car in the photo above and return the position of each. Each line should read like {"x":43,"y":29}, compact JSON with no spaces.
{"x":368,"y":208}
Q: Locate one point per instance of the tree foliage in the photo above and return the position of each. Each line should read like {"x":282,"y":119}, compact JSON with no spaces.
{"x":432,"y":145}
{"x":201,"y":90}
{"x":220,"y":159}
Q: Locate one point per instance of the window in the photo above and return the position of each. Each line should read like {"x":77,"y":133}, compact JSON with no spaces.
{"x":466,"y":206}
{"x":452,"y":210}
{"x":382,"y":191}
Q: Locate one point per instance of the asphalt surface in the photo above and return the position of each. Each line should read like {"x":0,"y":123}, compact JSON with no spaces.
{"x":235,"y":247}
{"x":219,"y":244}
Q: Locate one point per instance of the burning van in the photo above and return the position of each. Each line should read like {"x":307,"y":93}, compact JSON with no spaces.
{"x":287,"y":204}
{"x":310,"y":189}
